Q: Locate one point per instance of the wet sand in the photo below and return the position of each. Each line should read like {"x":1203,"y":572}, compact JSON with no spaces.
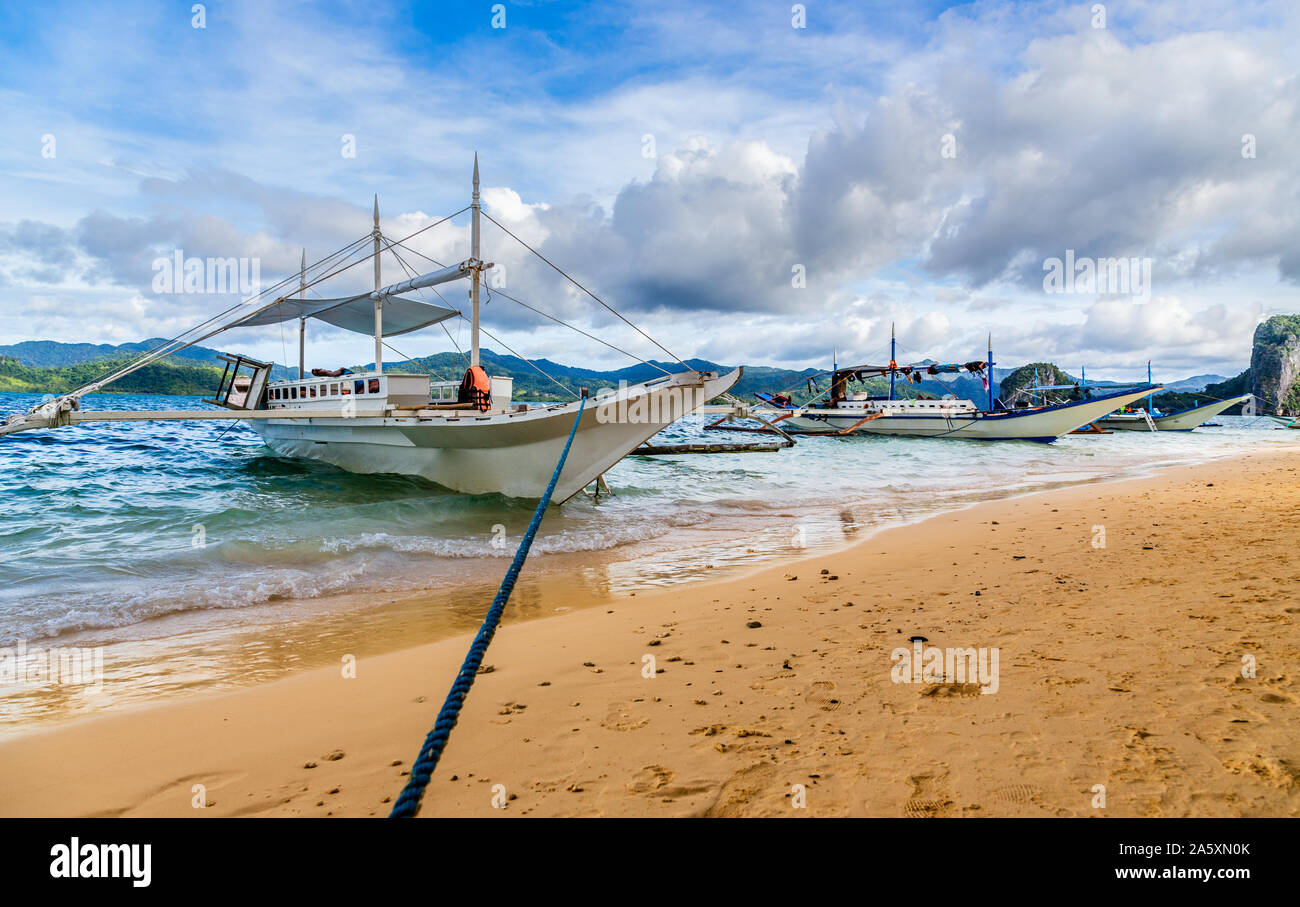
{"x":1118,"y":668}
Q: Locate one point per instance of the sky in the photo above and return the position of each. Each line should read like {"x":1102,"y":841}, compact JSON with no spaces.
{"x":762,"y":183}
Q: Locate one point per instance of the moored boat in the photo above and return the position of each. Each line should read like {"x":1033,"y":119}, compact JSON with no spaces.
{"x":467,"y":436}
{"x":849,"y":412}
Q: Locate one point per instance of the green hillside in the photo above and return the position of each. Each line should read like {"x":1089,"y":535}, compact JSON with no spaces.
{"x":159,"y":378}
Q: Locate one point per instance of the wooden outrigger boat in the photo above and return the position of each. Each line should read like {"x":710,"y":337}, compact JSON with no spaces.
{"x":1149,"y":418}
{"x":466,"y":436}
{"x":849,"y":412}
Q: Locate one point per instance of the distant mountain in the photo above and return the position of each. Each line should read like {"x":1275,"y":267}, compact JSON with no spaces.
{"x":1194,"y":384}
{"x":530,"y":384}
{"x":46,"y":366}
{"x":52,"y":354}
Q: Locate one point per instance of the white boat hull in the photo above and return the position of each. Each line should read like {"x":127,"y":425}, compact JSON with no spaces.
{"x":1182,"y":421}
{"x":1044,"y":424}
{"x":510,"y":453}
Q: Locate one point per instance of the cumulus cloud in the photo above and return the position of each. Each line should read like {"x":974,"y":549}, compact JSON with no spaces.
{"x":796,"y":203}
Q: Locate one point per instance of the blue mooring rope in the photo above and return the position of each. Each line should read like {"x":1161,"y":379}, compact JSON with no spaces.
{"x":408,"y":801}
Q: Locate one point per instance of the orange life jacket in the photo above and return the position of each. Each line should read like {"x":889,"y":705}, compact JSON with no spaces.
{"x":476,"y":388}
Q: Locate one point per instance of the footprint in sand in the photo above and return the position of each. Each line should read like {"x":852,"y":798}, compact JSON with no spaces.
{"x":621,"y":718}
{"x":750,"y":791}
{"x":929,"y":798}
{"x":819,"y":694}
{"x":1016,"y":793}
{"x":650,"y":779}
{"x":949,"y":690}
{"x":1268,"y":768}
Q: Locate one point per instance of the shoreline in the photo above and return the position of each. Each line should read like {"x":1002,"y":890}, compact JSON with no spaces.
{"x":429,"y":614}
{"x":739,"y":715}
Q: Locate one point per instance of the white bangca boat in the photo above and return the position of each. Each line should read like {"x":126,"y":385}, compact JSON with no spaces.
{"x":465,"y":435}
{"x":1149,"y":418}
{"x":850,"y":412}
{"x":1183,"y":420}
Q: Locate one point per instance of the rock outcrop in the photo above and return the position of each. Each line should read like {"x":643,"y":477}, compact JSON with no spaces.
{"x":1275,"y":364}
{"x":1044,"y":373}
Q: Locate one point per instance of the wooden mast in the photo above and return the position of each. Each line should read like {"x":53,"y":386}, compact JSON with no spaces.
{"x":990,"y":368}
{"x":474,"y":278}
{"x":893,"y":364}
{"x":379,"y":303}
{"x":302,"y":322}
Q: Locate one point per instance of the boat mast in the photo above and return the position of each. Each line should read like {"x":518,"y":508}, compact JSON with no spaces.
{"x":892,"y":363}
{"x":302,"y":322}
{"x":474,"y":256}
{"x":379,"y":303}
{"x":990,"y":367}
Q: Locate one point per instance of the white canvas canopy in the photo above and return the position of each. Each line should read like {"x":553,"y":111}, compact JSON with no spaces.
{"x":357,"y":313}
{"x":353,"y":313}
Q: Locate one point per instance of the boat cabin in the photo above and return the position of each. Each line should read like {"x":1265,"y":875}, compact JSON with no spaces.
{"x":375,"y":392}
{"x":864,"y":401}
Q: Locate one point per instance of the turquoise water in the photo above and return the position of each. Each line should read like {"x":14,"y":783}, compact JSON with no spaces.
{"x":111,"y":527}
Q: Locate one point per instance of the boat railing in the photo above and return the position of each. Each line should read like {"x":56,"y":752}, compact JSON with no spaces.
{"x":242,"y":384}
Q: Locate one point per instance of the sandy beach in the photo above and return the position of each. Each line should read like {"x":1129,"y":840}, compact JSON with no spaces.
{"x":1119,"y":666}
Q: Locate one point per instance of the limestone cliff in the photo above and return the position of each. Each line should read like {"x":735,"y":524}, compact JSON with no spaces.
{"x":1044,"y":373}
{"x":1275,"y":364}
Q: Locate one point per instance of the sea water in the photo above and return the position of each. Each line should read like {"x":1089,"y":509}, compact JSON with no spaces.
{"x":143,"y":534}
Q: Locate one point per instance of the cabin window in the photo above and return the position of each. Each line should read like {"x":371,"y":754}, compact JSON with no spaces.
{"x":374,"y":385}
{"x":347,"y":391}
{"x":334,"y":389}
{"x":293,"y":393}
{"x":313,"y":390}
{"x":302,"y":392}
{"x":359,"y":386}
{"x":275,"y":394}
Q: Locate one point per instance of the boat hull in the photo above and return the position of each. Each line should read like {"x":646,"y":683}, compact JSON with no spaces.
{"x":1044,"y":425}
{"x":1186,"y":420}
{"x":513,"y":454}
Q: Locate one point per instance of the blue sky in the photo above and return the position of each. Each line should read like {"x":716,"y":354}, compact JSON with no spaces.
{"x":774,"y":147}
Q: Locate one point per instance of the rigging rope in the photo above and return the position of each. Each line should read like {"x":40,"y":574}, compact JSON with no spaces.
{"x":411,"y":271}
{"x":535,"y":367}
{"x":484,"y":330}
{"x":408,"y":801}
{"x":558,"y":321}
{"x":559,"y":271}
{"x":156,"y":353}
{"x":582,"y":332}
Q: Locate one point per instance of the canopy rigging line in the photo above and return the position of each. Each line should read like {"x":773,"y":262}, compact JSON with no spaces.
{"x":390,"y":243}
{"x":559,"y":321}
{"x":534,"y":365}
{"x":579,"y":330}
{"x":413,"y":273}
{"x":484,"y":330}
{"x":177,"y":343}
{"x":610,"y":308}
{"x":408,"y":801}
